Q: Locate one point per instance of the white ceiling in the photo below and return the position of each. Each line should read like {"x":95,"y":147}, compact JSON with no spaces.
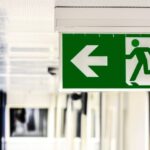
{"x":128,"y":3}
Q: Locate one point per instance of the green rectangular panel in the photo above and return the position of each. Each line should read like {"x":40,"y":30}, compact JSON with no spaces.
{"x":98,"y":61}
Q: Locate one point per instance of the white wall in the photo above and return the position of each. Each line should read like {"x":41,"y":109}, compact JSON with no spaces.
{"x":125,"y":121}
{"x":137,"y":121}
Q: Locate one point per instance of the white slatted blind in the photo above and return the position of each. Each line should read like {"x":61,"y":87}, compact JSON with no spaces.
{"x":32,"y":45}
{"x":29,"y":59}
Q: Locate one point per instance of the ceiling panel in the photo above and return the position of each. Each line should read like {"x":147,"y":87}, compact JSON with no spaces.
{"x":97,"y":3}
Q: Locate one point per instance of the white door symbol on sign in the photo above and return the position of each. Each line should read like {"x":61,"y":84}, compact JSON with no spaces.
{"x":137,"y":60}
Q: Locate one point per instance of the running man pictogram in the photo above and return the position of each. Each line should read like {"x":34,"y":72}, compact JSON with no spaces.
{"x":139,"y":52}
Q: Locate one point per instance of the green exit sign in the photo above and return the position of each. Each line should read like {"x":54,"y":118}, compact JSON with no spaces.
{"x":99,"y":61}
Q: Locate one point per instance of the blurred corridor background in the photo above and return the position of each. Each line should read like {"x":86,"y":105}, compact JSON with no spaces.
{"x":75,"y":121}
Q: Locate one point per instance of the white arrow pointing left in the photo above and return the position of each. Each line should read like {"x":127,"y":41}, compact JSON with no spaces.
{"x":82,"y":61}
